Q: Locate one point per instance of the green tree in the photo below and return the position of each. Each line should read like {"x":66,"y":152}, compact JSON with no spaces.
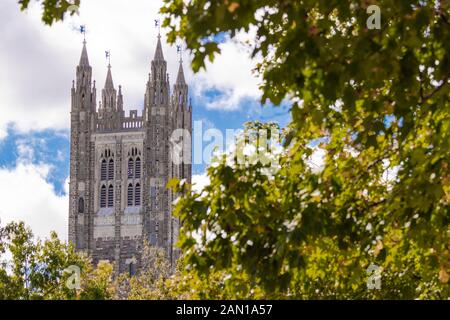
{"x":35,"y":269}
{"x":53,"y":10}
{"x":148,"y":283}
{"x":97,"y":282}
{"x":377,"y":102}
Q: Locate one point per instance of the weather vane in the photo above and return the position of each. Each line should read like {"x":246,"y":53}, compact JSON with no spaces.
{"x":179,"y":51}
{"x":108,"y":56}
{"x":158,"y":25}
{"x":83,"y":31}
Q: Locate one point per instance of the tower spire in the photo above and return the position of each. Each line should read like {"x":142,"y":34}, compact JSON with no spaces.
{"x":158,"y":52}
{"x":109,"y":84}
{"x":109,"y":97}
{"x":180,"y":76}
{"x":84,"y":60}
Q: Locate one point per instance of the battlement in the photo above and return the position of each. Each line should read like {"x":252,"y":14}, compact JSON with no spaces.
{"x":133,"y":121}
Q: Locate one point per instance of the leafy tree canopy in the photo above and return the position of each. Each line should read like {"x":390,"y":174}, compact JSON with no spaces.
{"x":377,"y":102}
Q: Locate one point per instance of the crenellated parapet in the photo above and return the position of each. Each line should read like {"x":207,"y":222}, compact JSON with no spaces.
{"x":133,"y":121}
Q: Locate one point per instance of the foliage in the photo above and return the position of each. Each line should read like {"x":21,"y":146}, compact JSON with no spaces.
{"x":97,"y":283}
{"x":377,"y":102}
{"x":35,"y":269}
{"x":149,"y":282}
{"x":53,"y":10}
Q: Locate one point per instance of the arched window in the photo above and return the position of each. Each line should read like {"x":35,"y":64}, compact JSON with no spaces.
{"x":111,"y":170}
{"x":137,"y":195}
{"x":81,"y":205}
{"x":131,"y":269}
{"x":103,"y":170}
{"x":103,"y":197}
{"x":137,"y":171}
{"x":130,"y":195}
{"x":130,"y":168}
{"x":111,"y":196}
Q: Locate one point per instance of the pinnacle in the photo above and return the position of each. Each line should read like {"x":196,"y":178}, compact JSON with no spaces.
{"x":159,"y":53}
{"x":84,"y":60}
{"x":109,"y":81}
{"x":180,"y":77}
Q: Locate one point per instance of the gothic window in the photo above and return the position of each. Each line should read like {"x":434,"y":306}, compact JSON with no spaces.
{"x":103,"y":197}
{"x":81,"y":205}
{"x":111,"y":170}
{"x":153,"y":192}
{"x":103,"y":170}
{"x":130,"y":168}
{"x":110,"y":196}
{"x":153,"y":239}
{"x":137,"y":171}
{"x":132,"y":269}
{"x":130,"y":195}
{"x":137,"y":195}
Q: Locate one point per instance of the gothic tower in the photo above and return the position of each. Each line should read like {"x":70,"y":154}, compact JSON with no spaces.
{"x":82,"y":115}
{"x":120,"y":165}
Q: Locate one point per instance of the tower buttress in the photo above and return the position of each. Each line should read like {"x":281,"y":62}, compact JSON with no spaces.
{"x":182,"y":127}
{"x":82,"y":125}
{"x":158,"y":127}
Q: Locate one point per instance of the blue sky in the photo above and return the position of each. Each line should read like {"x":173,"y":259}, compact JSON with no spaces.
{"x":38,"y":66}
{"x":47,"y":146}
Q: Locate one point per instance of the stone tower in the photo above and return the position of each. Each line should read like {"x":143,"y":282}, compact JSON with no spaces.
{"x":120,"y":165}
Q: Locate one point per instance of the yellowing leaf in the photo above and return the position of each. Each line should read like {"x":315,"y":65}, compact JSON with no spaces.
{"x":233,"y":6}
{"x":443,"y":276}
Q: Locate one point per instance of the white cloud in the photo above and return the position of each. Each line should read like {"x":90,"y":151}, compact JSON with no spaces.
{"x":38,"y":62}
{"x":231,"y":74}
{"x":200,"y":181}
{"x":27,"y":196}
{"x":316,"y":161}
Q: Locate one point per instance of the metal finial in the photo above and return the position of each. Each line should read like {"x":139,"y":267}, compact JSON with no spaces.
{"x":108,"y":56}
{"x":180,"y":53}
{"x":158,"y":25}
{"x":83,"y":32}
